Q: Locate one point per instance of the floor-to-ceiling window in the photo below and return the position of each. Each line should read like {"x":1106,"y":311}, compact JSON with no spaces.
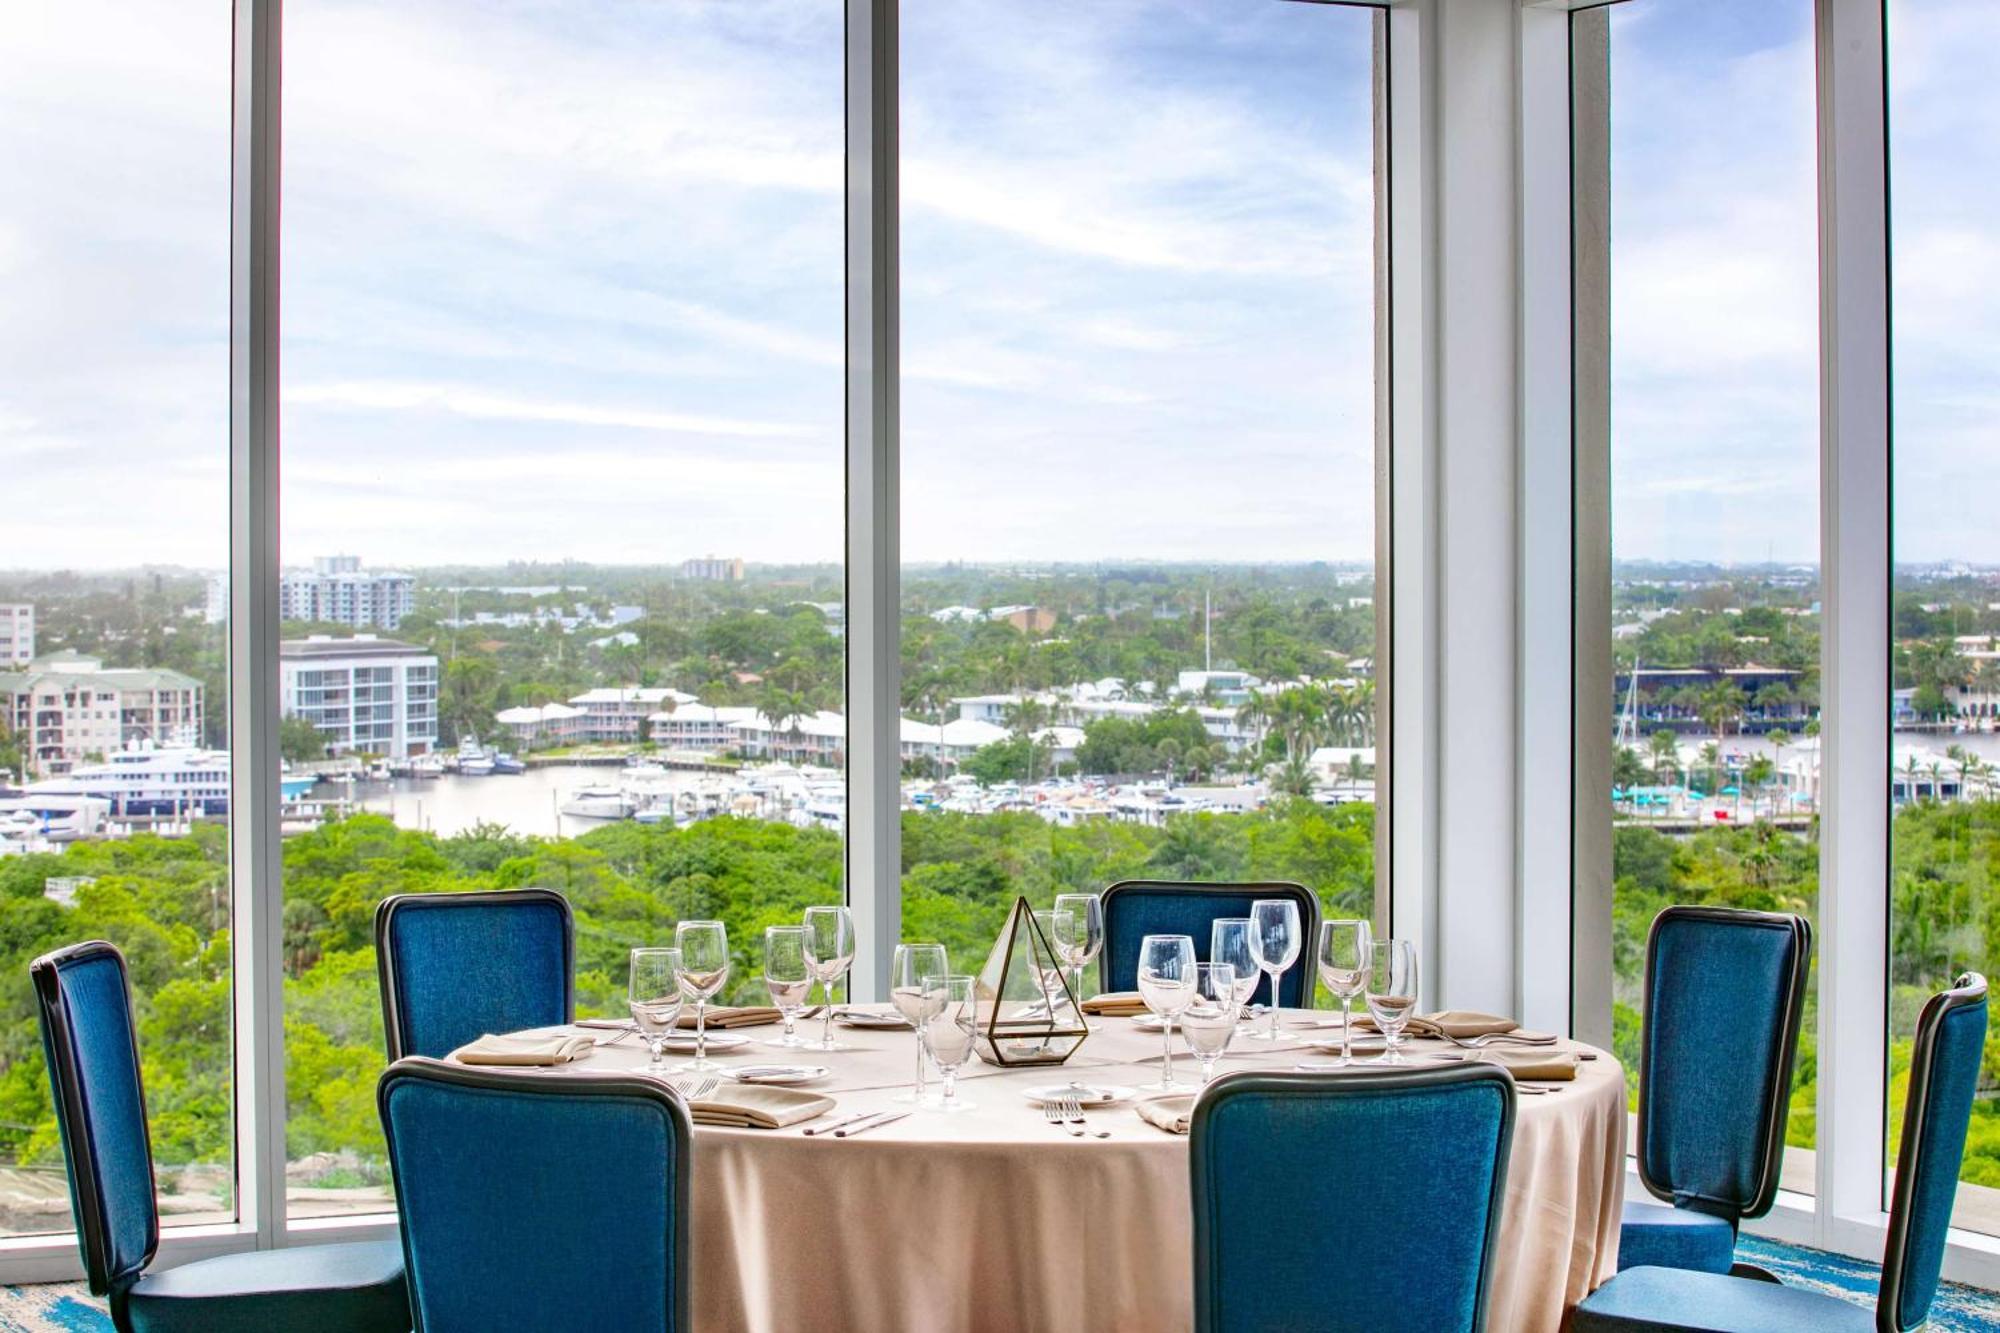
{"x":114,"y":548}
{"x":1944,"y":904}
{"x":563,"y":492}
{"x":1714,"y":449}
{"x":1138,"y":452}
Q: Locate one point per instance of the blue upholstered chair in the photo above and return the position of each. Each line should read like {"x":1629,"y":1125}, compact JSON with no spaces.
{"x":1944,"y":1072}
{"x":1725,"y":990}
{"x":1363,"y":1200}
{"x":455,"y":966}
{"x":88,"y":1034}
{"x":562,"y":1202}
{"x":1137,"y":908}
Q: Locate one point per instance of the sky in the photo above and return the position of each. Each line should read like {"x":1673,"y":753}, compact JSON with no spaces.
{"x":563,"y":279}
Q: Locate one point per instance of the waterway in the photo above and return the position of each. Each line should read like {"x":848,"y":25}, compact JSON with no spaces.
{"x":527,"y":802}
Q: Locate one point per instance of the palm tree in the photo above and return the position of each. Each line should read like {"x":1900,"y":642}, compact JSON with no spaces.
{"x":1665,"y":749}
{"x":1294,"y":777}
{"x":784,"y":709}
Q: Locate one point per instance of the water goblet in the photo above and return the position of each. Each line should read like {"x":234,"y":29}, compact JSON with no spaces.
{"x":1086,"y":936}
{"x":653,"y":994}
{"x":1209,"y":1021}
{"x":704,"y":947}
{"x":950,"y":1021}
{"x":1274,"y":946}
{"x":907,"y":970}
{"x":1392,"y":992}
{"x":1343,"y":966}
{"x":1166,"y":983}
{"x":830,"y":951}
{"x":1229,"y":942}
{"x":788,"y":977}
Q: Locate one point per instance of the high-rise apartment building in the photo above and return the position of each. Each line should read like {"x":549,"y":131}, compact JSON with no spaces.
{"x":17,"y":633}
{"x":366,"y":695}
{"x":70,"y":707}
{"x":339,"y":591}
{"x":714,"y":569}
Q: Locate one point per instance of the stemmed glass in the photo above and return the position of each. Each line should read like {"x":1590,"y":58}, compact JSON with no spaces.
{"x":704,"y":947}
{"x":1080,"y":947}
{"x":788,"y":977}
{"x":829,"y":952}
{"x":1209,"y":1021}
{"x":1050,"y":971}
{"x":907,"y":970}
{"x":1274,"y":946}
{"x":1392,"y":992}
{"x":1343,"y":966}
{"x":653,"y":993}
{"x":1166,"y":983}
{"x":949,"y":1022}
{"x":1229,"y":942}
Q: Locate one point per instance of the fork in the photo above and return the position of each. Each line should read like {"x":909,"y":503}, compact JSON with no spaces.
{"x":1054,"y":1113}
{"x":1481,"y":1042}
{"x":1073,"y":1114}
{"x":692,"y":1090}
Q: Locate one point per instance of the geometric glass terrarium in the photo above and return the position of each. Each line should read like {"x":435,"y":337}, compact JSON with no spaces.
{"x":1026,"y":1013}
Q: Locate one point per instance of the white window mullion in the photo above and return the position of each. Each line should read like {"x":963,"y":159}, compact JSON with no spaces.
{"x":874,"y":616}
{"x":256,"y":861}
{"x":1855,"y":647}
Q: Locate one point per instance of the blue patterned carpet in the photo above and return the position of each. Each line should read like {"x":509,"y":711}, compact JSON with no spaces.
{"x":70,"y":1309}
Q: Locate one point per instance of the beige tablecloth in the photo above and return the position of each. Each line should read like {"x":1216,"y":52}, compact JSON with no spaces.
{"x":993,"y":1220}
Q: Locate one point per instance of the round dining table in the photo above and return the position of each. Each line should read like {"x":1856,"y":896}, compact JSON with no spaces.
{"x":992,"y":1218}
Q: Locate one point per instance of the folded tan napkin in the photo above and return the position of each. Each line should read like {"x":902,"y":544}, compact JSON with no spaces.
{"x":1170,"y":1112}
{"x":1116,"y":1004}
{"x":755,"y":1106}
{"x":1539,"y":1064}
{"x":524,"y":1049}
{"x":725,"y":1016}
{"x":1451,"y":1022}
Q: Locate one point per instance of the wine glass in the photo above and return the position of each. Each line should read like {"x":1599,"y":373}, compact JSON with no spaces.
{"x":1086,"y":937}
{"x":1209,"y":1021}
{"x":949,"y":1023}
{"x":1274,"y":946}
{"x":1051,"y":968}
{"x":907,"y":970}
{"x":1229,"y":942}
{"x":1392,"y":992}
{"x":1343,"y":966}
{"x":1166,"y":983}
{"x":788,"y":977}
{"x":653,"y":993}
{"x":704,"y":947}
{"x":829,"y":951}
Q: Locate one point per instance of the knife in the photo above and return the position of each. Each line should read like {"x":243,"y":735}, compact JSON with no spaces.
{"x":876,"y":1121}
{"x":839,"y":1121}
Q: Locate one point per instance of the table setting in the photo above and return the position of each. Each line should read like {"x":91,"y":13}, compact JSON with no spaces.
{"x":1054,"y":1168}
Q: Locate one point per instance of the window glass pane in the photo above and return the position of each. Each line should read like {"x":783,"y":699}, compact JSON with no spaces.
{"x":1944,"y":905}
{"x":1138,"y":490}
{"x":114,"y":446}
{"x":1714,"y":477}
{"x":563,"y":432}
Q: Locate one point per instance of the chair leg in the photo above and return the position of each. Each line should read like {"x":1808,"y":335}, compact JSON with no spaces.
{"x":1754,"y":1273}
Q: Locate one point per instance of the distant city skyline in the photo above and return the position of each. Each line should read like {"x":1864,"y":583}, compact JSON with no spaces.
{"x":609,"y":327}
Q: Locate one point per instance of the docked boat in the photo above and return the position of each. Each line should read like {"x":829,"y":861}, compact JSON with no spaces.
{"x":507,"y":763}
{"x":473,"y":761}
{"x":426,"y":766}
{"x":597,"y":803}
{"x":177,"y":781}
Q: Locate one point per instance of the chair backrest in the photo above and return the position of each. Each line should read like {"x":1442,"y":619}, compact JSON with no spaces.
{"x":1944,"y":1074}
{"x":1136,"y":908}
{"x":560,"y":1202}
{"x":92,"y":1045}
{"x":1725,"y":990}
{"x":455,"y":966}
{"x":1309,"y":1189}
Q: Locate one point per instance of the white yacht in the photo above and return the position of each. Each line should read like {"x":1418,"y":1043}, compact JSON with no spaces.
{"x":175,"y":781}
{"x":473,"y":760}
{"x":597,"y":803}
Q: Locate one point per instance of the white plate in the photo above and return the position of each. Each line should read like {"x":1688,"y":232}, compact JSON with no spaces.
{"x":862,"y":1018}
{"x":1086,"y":1094}
{"x":784,"y":1075}
{"x":1148,"y":1022}
{"x":682,"y":1043}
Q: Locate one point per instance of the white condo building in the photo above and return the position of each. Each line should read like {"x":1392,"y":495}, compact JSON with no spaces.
{"x":367,"y":695}
{"x":70,"y":707}
{"x":339,"y":591}
{"x":17,"y":633}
